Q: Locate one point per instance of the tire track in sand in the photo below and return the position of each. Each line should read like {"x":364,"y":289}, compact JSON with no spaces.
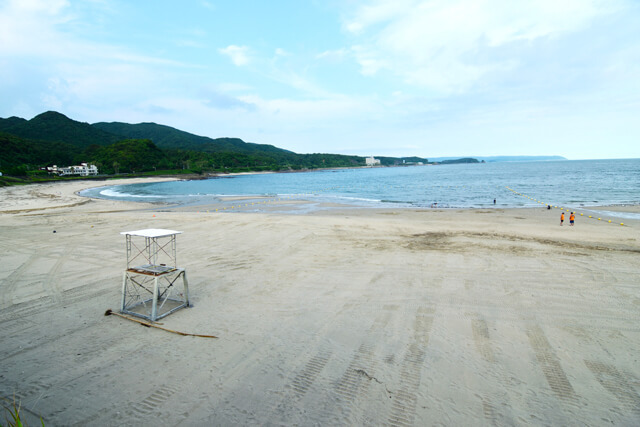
{"x":550,"y":365}
{"x":307,"y":376}
{"x":616,"y":384}
{"x":355,"y":379}
{"x":481,"y":338}
{"x":403,"y":407}
{"x":53,"y":280}
{"x":8,"y":289}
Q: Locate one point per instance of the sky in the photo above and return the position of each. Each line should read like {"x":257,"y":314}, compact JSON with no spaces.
{"x":429,"y":78}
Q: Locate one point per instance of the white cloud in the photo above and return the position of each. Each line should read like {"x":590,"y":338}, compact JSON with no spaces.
{"x":192,"y":37}
{"x":310,"y":111}
{"x":28,"y":27}
{"x":238,"y":54}
{"x":448,"y":45}
{"x":190,"y":43}
{"x":376,"y":12}
{"x":208,"y":5}
{"x":33,"y":29}
{"x":281,"y":52}
{"x":369,"y":60}
{"x":481,"y":70}
{"x":232,"y":87}
{"x":55,"y":67}
{"x":49,"y":7}
{"x":333,"y":55}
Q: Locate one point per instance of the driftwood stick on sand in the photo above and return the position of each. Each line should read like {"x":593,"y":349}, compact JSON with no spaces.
{"x":109,"y":312}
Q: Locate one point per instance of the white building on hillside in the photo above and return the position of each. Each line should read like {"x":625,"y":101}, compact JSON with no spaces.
{"x":372,"y":161}
{"x":83,"y":170}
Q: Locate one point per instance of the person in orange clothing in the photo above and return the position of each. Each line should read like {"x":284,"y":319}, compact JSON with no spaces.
{"x":572,"y":218}
{"x":561,"y":218}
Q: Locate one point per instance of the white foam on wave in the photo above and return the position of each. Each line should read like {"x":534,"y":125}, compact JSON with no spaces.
{"x":114,"y":193}
{"x":616,"y":214}
{"x":360,"y":199}
{"x":344,"y":198}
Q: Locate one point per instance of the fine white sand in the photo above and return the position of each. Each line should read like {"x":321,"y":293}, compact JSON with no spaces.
{"x":339,"y":317}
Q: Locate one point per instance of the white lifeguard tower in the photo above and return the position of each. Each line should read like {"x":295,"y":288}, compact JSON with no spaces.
{"x":148,"y":289}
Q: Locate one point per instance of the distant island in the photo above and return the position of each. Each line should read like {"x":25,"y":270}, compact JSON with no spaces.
{"x":503,"y":158}
{"x":457,"y":161}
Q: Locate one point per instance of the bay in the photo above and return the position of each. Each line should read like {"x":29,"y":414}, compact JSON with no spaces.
{"x":572,"y":184}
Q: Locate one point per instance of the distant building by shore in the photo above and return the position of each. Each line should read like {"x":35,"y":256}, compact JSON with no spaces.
{"x":83,"y":169}
{"x":372,"y":161}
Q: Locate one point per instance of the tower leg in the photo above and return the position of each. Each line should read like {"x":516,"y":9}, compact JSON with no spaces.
{"x":124,"y":291}
{"x":186,"y":287}
{"x":154,"y":305}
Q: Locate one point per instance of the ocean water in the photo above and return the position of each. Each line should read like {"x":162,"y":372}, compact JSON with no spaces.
{"x":573,"y":184}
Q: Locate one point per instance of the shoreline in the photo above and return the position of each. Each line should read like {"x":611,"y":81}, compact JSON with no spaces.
{"x":57,"y":195}
{"x":60,"y":195}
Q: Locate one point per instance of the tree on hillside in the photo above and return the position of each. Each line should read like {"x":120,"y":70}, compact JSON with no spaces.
{"x":130,"y":155}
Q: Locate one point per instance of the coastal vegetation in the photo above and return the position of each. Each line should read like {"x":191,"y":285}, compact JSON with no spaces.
{"x":117,"y":148}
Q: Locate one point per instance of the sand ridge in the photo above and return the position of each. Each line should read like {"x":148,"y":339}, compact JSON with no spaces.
{"x":340,"y":317}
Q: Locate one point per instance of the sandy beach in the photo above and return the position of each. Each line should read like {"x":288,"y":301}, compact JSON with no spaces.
{"x":338,"y":317}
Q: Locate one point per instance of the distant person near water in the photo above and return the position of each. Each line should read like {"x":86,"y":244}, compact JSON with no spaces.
{"x":572,"y":218}
{"x":494,"y":201}
{"x":548,"y":207}
{"x":561,"y":218}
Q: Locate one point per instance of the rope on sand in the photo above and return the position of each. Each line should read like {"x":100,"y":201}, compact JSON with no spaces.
{"x":151,"y":325}
{"x":560,"y":207}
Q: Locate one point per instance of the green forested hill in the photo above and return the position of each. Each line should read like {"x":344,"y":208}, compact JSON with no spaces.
{"x":129,"y":155}
{"x":56,"y":127}
{"x":168,"y":137}
{"x":184,"y":148}
{"x":53,"y":138}
{"x":17,"y":155}
{"x":10,"y":122}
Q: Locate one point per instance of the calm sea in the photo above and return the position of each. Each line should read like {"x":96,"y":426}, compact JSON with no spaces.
{"x":572,"y":183}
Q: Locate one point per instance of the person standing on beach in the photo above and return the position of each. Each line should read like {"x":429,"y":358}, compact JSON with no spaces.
{"x":561,"y":218}
{"x":572,"y":218}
